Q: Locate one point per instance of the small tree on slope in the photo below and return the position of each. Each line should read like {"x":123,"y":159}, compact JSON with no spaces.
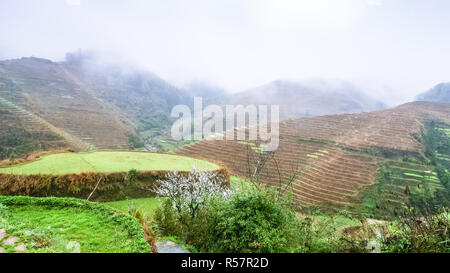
{"x":190,"y":192}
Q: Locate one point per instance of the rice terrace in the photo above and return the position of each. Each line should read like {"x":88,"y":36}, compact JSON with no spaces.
{"x":270,"y":127}
{"x":104,"y":162}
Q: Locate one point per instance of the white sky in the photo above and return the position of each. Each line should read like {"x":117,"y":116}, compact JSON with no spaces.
{"x":394,"y":48}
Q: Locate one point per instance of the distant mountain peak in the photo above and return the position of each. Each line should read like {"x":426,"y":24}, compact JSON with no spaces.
{"x":439,"y":93}
{"x":311,"y":97}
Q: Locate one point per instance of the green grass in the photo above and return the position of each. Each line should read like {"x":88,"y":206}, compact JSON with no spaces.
{"x":49,"y":224}
{"x":240,"y":184}
{"x":413,"y":175}
{"x":107,"y":162}
{"x":145,"y":205}
{"x":338,"y":221}
{"x":246,"y":143}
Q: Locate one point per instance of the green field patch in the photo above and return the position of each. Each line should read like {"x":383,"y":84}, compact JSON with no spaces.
{"x":413,"y":175}
{"x":240,"y":184}
{"x":246,"y":143}
{"x":443,"y":157}
{"x":61,"y":224}
{"x":105,"y":162}
{"x":145,"y":205}
{"x":432,"y":178}
{"x":257,"y":150}
{"x":410,"y":170}
{"x":317,"y":154}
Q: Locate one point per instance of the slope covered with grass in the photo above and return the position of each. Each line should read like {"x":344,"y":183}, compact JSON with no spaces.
{"x":66,"y":225}
{"x":107,"y":162}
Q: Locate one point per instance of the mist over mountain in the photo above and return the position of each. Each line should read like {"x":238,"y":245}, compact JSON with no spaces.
{"x":82,"y":103}
{"x":309,"y":98}
{"x":141,"y":96}
{"x":210,"y":94}
{"x":97,"y":100}
{"x":439,"y":93}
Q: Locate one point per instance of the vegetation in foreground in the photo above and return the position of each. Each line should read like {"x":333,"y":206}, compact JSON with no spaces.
{"x":67,"y":225}
{"x":258,"y":219}
{"x":100,"y":162}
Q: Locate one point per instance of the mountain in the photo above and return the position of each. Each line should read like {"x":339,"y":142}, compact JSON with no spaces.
{"x":439,"y":93}
{"x":80,"y":104}
{"x":311,"y":98}
{"x":210,"y":94}
{"x":142,"y":97}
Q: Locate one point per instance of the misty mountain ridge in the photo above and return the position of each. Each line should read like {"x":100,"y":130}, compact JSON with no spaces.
{"x":439,"y":93}
{"x":142,"y":96}
{"x":309,"y":98}
{"x":93,"y":101}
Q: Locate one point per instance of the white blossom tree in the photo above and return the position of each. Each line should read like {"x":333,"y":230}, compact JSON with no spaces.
{"x":190,"y":192}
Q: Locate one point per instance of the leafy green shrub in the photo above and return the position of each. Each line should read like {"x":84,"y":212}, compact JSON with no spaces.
{"x":132,"y":176}
{"x":134,"y":142}
{"x":253,"y":221}
{"x":444,"y":176}
{"x":166,"y":220}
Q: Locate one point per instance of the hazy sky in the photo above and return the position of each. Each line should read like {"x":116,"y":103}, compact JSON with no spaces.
{"x":394,"y":48}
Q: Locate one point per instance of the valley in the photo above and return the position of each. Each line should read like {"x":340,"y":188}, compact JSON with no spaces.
{"x":77,"y":130}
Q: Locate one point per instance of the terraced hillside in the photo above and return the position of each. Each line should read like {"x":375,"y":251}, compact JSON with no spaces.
{"x":22,"y":132}
{"x":91,"y":104}
{"x":399,"y":183}
{"x":336,"y":157}
{"x":47,"y":91}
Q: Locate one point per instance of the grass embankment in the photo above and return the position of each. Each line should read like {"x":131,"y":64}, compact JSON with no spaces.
{"x":61,"y":224}
{"x":104,"y":162}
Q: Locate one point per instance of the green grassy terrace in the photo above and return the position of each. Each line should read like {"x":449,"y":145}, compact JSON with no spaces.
{"x":49,"y":225}
{"x":104,"y":162}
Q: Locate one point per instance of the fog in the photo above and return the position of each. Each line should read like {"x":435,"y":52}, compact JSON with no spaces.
{"x":392,"y":49}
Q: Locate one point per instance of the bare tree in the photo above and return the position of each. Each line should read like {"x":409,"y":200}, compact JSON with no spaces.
{"x":259,"y":163}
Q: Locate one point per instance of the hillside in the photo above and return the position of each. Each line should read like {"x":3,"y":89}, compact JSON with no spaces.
{"x":45,"y":89}
{"x":305,"y":99}
{"x":144,"y":99}
{"x":439,"y":93}
{"x":79,"y":104}
{"x":21,"y":132}
{"x":337,"y":157}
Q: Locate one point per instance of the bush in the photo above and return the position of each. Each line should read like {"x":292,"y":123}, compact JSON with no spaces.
{"x":418,"y":232}
{"x":134,"y":142}
{"x":166,"y":220}
{"x":253,"y":221}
